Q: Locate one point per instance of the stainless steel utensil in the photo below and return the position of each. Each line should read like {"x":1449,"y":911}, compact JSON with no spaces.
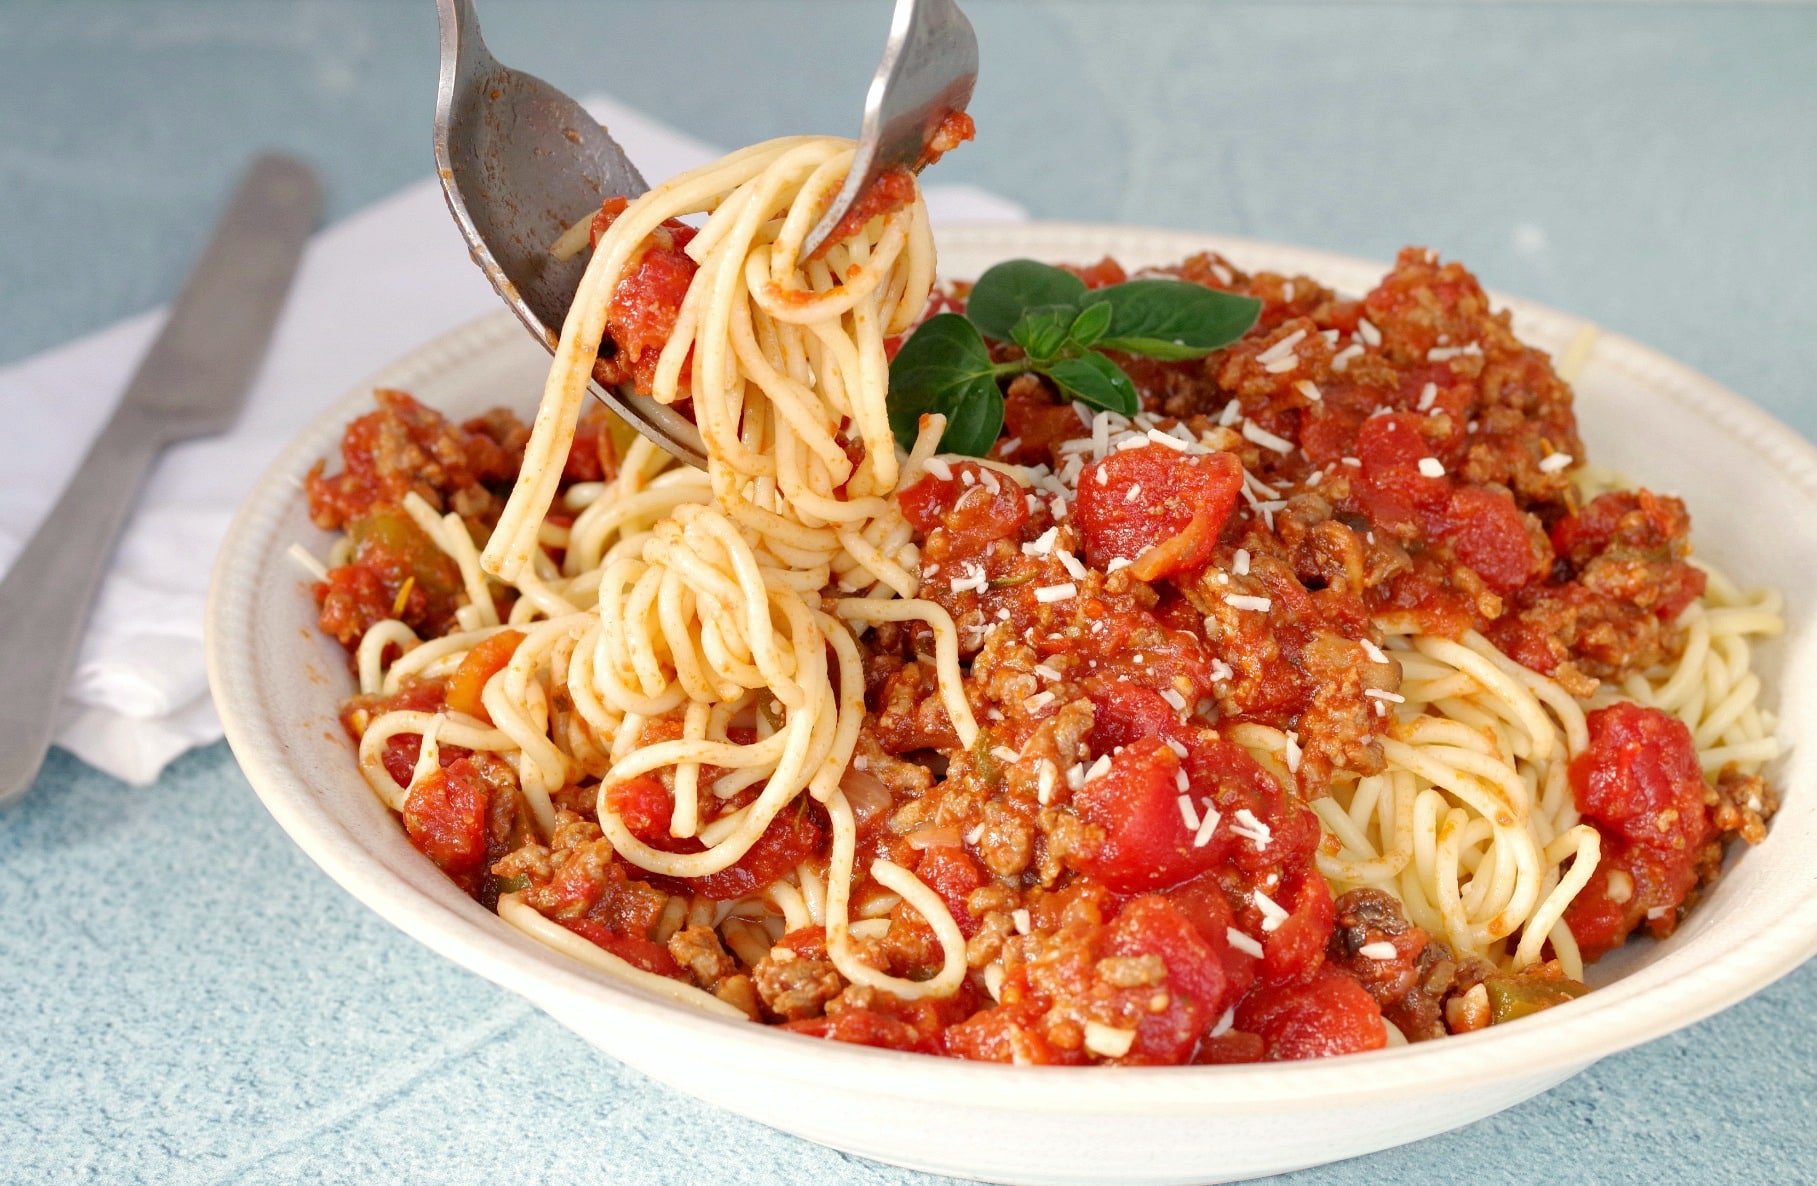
{"x":520,"y":161}
{"x":190,"y":383}
{"x":929,"y":67}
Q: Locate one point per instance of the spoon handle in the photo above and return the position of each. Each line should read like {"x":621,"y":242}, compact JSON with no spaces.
{"x":191,"y":381}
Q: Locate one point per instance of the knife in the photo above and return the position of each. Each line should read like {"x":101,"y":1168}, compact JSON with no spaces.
{"x":191,"y":383}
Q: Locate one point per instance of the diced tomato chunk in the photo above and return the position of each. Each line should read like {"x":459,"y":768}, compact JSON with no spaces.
{"x":1489,"y":533}
{"x":1102,"y":274}
{"x":1125,"y":712}
{"x":1230,"y":1049}
{"x":1640,"y":777}
{"x":1007,"y":1033}
{"x":1640,"y":784}
{"x":1137,"y":499}
{"x":445,"y":817}
{"x":1328,"y":433}
{"x":1153,"y":925}
{"x":1331,"y":1014}
{"x":633,"y":949}
{"x":865,"y":1027}
{"x":1390,"y":485}
{"x":1136,"y":803}
{"x":1294,"y":948}
{"x":971,"y":510}
{"x":648,"y":300}
{"x":1599,"y":924}
{"x":1204,"y":903}
{"x":951,"y":872}
{"x":790,"y":838}
{"x":645,"y":806}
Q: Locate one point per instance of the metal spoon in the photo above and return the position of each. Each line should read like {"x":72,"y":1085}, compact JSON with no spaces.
{"x":520,"y":161}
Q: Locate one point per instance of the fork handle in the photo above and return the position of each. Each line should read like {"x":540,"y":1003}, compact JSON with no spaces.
{"x":45,"y":597}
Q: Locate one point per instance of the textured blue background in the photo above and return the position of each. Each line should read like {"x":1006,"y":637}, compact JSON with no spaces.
{"x":187,"y":1000}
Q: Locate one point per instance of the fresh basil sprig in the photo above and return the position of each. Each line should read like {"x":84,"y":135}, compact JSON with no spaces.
{"x":1063,"y":329}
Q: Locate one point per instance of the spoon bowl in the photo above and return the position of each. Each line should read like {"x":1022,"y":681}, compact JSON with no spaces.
{"x":519,"y":162}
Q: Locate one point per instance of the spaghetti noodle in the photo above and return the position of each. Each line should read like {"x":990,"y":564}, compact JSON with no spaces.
{"x":709,"y":608}
{"x":889,"y":747}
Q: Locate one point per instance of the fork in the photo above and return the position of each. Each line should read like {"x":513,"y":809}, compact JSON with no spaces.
{"x":929,"y":67}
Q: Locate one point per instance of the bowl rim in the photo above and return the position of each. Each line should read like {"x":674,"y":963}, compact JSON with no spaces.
{"x":1605,"y":1022}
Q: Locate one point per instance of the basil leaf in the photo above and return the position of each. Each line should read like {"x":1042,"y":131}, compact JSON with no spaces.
{"x":1091,"y":324}
{"x":1004,"y":293}
{"x":1042,"y":331}
{"x":1096,"y":381}
{"x":943,"y":367}
{"x":975,"y":420}
{"x":1172,"y":319}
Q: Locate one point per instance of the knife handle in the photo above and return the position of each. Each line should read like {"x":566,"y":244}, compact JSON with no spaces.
{"x":191,"y":381}
{"x":47,"y":592}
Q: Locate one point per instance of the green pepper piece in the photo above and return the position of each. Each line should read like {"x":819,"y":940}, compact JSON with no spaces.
{"x":1511,"y":997}
{"x":389,"y":539}
{"x":989,"y":770}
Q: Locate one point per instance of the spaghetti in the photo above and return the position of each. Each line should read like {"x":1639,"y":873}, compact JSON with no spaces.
{"x":889,"y":747}
{"x":709,"y":608}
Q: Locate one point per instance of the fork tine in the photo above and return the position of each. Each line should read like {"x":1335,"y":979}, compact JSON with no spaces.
{"x":928,"y":70}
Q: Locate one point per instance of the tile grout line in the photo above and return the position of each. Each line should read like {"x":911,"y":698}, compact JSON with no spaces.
{"x":380,"y":1091}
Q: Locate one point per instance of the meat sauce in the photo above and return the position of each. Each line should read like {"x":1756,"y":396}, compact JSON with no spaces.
{"x":1142,"y":889}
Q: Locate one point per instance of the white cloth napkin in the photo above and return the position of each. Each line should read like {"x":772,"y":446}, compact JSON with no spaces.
{"x":371,"y":287}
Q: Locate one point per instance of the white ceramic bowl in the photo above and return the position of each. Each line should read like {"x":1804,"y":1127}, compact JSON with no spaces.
{"x":1751,"y":484}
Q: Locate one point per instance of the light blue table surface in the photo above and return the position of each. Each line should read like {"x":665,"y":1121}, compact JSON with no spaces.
{"x":184,"y":998}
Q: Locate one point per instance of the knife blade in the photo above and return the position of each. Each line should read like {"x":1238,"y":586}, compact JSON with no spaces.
{"x":191,"y":382}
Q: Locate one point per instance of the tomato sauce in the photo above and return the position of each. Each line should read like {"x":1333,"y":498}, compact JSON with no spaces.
{"x":1141,"y":889}
{"x":1640,"y":784}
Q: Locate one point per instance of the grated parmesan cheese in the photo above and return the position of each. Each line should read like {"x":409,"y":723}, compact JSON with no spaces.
{"x":1107,"y":1041}
{"x":1261,"y":436}
{"x":1272,"y":913}
{"x":1251,"y":828}
{"x":1208,"y":823}
{"x":1242,"y":942}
